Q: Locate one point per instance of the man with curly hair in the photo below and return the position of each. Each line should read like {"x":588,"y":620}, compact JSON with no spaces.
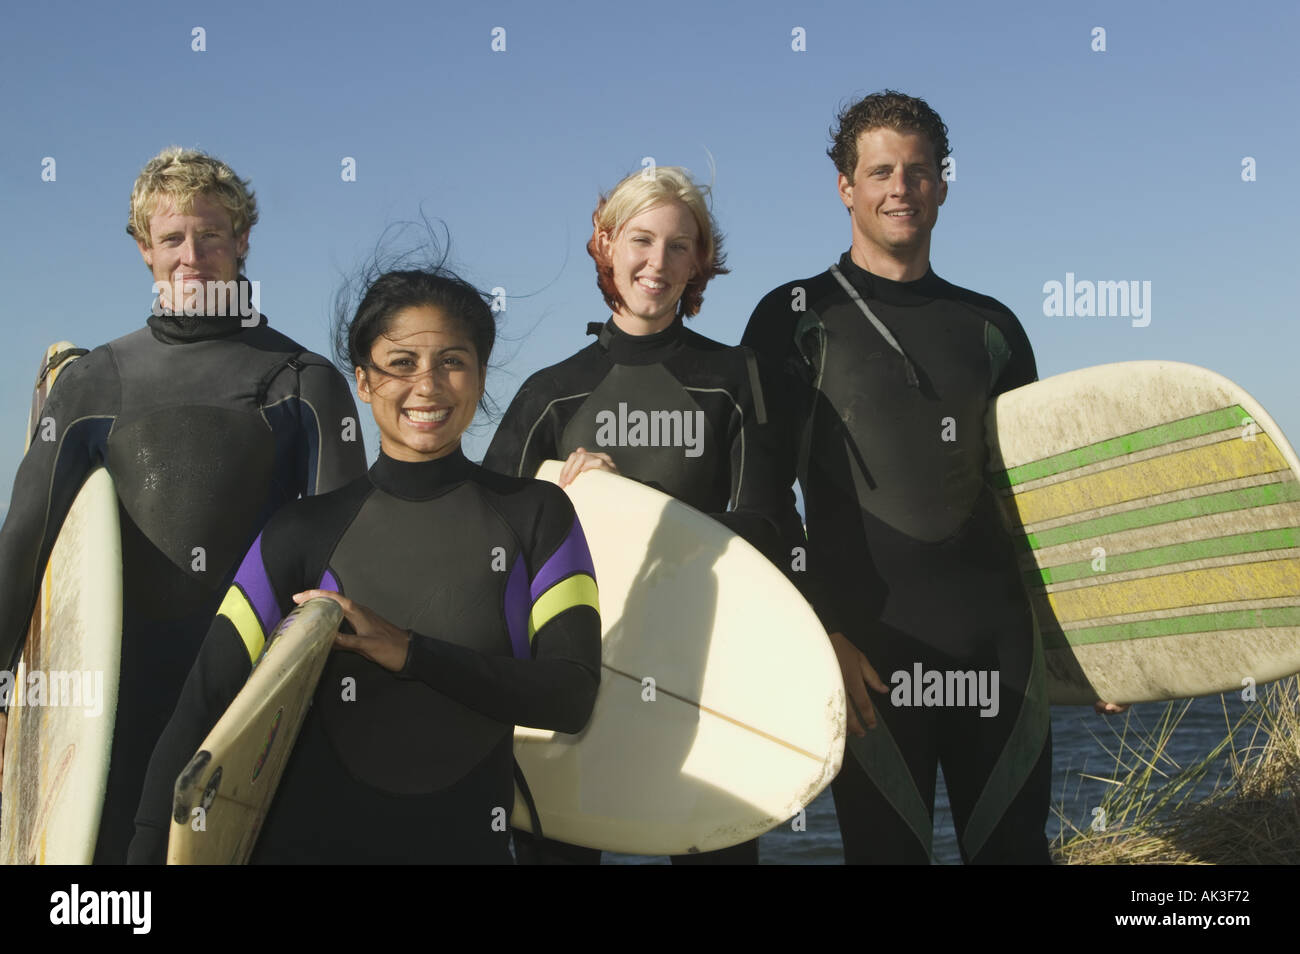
{"x":891,"y":372}
{"x":207,"y":420}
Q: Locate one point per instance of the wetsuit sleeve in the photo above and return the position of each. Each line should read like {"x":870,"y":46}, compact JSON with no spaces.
{"x":771,"y":334}
{"x":763,"y":470}
{"x":332,"y":449}
{"x":248,"y":614}
{"x":553,"y":616}
{"x":1021,"y":368}
{"x":526,"y":435}
{"x":69,"y":442}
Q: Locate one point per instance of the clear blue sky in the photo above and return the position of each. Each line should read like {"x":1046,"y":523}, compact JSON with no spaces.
{"x":1116,"y":165}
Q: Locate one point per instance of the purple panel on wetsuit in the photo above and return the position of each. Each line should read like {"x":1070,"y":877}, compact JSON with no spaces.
{"x":572,"y":557}
{"x":329,"y":581}
{"x":252,"y":579}
{"x":517,"y":607}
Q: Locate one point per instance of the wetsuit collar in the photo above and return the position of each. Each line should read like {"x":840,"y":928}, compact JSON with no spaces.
{"x":624,"y":348}
{"x":871,"y":286}
{"x":420,"y":480}
{"x":171,"y":328}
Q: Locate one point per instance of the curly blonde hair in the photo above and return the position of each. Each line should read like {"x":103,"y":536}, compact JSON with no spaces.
{"x":180,"y":175}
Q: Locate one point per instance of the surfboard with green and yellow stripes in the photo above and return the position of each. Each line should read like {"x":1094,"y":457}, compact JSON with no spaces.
{"x":1156,"y":510}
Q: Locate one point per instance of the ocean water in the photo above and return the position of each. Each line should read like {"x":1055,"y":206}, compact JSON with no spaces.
{"x":1080,"y":743}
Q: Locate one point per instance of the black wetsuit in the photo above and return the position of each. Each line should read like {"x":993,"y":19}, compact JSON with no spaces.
{"x":207,"y":427}
{"x":908,"y":556}
{"x":718,"y":460}
{"x":415,"y":766}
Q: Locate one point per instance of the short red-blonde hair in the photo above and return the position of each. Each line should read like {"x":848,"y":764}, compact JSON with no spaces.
{"x":645,"y":190}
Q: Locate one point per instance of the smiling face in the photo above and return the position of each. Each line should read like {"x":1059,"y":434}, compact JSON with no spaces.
{"x":894,"y":201}
{"x":424,"y":386}
{"x":653,"y":256}
{"x":188,"y":249}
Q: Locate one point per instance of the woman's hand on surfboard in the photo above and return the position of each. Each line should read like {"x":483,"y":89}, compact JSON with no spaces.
{"x":583,"y":460}
{"x":858,"y":676}
{"x":1108,"y":708}
{"x":375,"y":637}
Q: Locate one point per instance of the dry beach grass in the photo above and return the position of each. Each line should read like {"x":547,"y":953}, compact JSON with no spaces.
{"x":1252,"y":816}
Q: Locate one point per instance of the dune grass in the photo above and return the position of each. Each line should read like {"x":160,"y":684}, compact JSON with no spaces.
{"x":1252,"y":815}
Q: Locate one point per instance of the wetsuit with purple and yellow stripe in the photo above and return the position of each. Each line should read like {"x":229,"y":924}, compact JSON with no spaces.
{"x":492,"y":576}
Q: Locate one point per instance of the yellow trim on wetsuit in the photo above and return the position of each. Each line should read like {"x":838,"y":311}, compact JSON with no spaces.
{"x":236,"y":608}
{"x":576,"y":590}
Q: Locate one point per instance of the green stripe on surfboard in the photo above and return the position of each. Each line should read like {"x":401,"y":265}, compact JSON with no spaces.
{"x":1287,"y":491}
{"x":1254,"y":542}
{"x":1175,"y":626}
{"x":1227,"y":418}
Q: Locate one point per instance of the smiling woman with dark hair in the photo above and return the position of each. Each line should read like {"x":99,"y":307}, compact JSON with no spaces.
{"x":470,"y":597}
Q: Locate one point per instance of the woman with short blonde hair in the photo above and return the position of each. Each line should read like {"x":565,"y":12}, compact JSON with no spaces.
{"x":656,"y":246}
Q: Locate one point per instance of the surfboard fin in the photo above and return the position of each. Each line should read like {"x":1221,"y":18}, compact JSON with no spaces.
{"x":189,"y":787}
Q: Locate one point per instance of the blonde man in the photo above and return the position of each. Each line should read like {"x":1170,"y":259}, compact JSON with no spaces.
{"x":207,"y":420}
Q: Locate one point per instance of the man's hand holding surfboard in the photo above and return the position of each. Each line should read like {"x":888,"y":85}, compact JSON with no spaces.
{"x":859,"y":676}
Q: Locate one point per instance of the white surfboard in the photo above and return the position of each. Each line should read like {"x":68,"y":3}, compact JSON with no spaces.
{"x":721,"y":707}
{"x":1156,"y":507}
{"x":64,"y":693}
{"x":224,"y":793}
